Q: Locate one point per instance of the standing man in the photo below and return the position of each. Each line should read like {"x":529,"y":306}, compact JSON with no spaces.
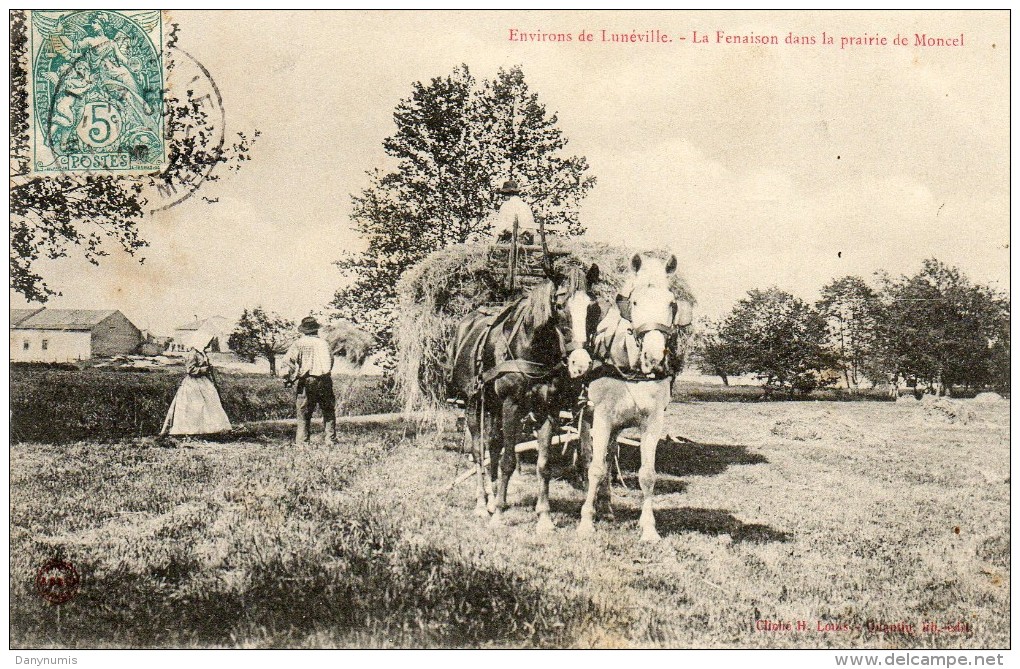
{"x":307,"y":366}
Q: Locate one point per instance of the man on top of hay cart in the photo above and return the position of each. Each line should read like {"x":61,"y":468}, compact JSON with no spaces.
{"x":307,"y":366}
{"x":514,"y":210}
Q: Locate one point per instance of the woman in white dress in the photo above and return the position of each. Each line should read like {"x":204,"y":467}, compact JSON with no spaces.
{"x":196,"y":408}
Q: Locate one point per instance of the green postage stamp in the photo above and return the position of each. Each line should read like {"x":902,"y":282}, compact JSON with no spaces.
{"x":97,"y":91}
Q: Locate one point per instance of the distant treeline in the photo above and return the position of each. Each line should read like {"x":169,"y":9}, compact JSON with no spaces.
{"x":934,"y":331}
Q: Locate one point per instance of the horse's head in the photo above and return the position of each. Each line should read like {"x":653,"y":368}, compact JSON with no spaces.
{"x":572,"y":304}
{"x":655,"y":312}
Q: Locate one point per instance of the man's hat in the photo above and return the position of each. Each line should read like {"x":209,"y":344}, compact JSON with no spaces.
{"x":308,"y":325}
{"x":509,"y":188}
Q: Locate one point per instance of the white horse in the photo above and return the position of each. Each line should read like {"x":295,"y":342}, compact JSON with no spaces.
{"x":641,"y":345}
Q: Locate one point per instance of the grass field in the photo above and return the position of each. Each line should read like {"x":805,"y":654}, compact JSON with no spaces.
{"x":54,"y":404}
{"x":846,"y":515}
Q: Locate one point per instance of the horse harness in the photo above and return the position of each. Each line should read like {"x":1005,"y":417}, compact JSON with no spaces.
{"x":532,"y":370}
{"x":637,"y":332}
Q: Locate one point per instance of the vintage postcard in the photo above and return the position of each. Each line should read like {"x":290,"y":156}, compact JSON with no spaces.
{"x":510,"y":329}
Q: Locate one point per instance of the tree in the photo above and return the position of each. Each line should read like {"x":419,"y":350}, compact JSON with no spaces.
{"x":999,"y":362}
{"x":52,"y":214}
{"x":941,"y":329}
{"x":711,"y":355}
{"x":780,"y":339}
{"x":850,"y":307}
{"x":455,"y":142}
{"x":260,"y":334}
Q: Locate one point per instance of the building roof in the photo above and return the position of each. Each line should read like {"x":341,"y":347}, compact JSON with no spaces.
{"x":18,"y":315}
{"x":193,"y":325}
{"x":63,"y":319}
{"x":218,"y":322}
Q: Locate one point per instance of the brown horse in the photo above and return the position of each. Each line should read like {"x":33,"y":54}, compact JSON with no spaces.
{"x":516,"y":362}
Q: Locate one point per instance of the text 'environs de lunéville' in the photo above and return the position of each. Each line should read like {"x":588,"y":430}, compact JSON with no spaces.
{"x":657,"y":36}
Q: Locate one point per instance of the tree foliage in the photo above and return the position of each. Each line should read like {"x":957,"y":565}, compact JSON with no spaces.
{"x":850,"y":308}
{"x":260,"y":334}
{"x":51,"y":215}
{"x":711,"y":355}
{"x":780,"y":339}
{"x":456,"y":141}
{"x":936,"y":329}
{"x":941,"y":329}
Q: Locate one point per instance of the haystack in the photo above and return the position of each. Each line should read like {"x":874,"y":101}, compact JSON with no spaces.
{"x":345,"y":341}
{"x":448,"y":284}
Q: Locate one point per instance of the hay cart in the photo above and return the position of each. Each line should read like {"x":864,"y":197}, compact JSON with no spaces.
{"x":525,"y":253}
{"x":571,"y":443}
{"x":526,"y":263}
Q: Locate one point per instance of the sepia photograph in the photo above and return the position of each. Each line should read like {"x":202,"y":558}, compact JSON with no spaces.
{"x":517,"y":329}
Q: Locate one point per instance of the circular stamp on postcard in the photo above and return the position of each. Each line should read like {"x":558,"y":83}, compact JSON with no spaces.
{"x":57,"y":581}
{"x":196,"y":121}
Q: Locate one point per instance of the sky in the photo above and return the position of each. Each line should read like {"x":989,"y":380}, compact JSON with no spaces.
{"x":758,"y":165}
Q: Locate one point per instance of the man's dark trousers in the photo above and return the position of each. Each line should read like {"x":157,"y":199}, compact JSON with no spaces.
{"x":315,"y":391}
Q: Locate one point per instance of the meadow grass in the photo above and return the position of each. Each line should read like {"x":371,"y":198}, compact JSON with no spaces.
{"x":54,"y":405}
{"x":850,"y":515}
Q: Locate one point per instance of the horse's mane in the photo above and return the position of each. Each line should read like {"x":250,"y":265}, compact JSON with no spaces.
{"x":537,"y":306}
{"x":538,"y":303}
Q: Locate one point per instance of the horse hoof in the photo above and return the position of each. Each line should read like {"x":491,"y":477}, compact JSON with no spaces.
{"x":586,"y":529}
{"x":481,"y":511}
{"x":492,"y":507}
{"x":545,"y":525}
{"x":650,"y":536}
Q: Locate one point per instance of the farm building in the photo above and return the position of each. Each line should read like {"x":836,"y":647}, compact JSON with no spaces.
{"x":64,"y":335}
{"x":218,"y":327}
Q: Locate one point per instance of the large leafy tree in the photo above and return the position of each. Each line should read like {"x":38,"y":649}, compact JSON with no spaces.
{"x":52,"y":215}
{"x":456,"y":140}
{"x":711,"y":355}
{"x":850,"y":308}
{"x":260,"y":334}
{"x":941,"y":329}
{"x":780,"y":339}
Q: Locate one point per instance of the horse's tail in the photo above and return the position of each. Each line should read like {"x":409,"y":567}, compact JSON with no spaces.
{"x":461,"y":372}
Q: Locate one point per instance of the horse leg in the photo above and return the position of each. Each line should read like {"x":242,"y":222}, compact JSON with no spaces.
{"x":493,"y":446}
{"x":471,"y":424}
{"x":508,"y":456}
{"x":600,"y":431}
{"x":646,"y":475}
{"x":604,"y":497}
{"x":544,"y":439}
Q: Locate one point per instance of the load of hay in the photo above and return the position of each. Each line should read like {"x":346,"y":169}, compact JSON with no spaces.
{"x":448,"y":284}
{"x":943,"y":409}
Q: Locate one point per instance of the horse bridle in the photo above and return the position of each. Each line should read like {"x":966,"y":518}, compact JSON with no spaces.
{"x":567,"y":346}
{"x":671,"y":332}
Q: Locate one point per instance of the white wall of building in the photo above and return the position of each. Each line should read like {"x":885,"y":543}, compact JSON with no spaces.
{"x":50,"y":346}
